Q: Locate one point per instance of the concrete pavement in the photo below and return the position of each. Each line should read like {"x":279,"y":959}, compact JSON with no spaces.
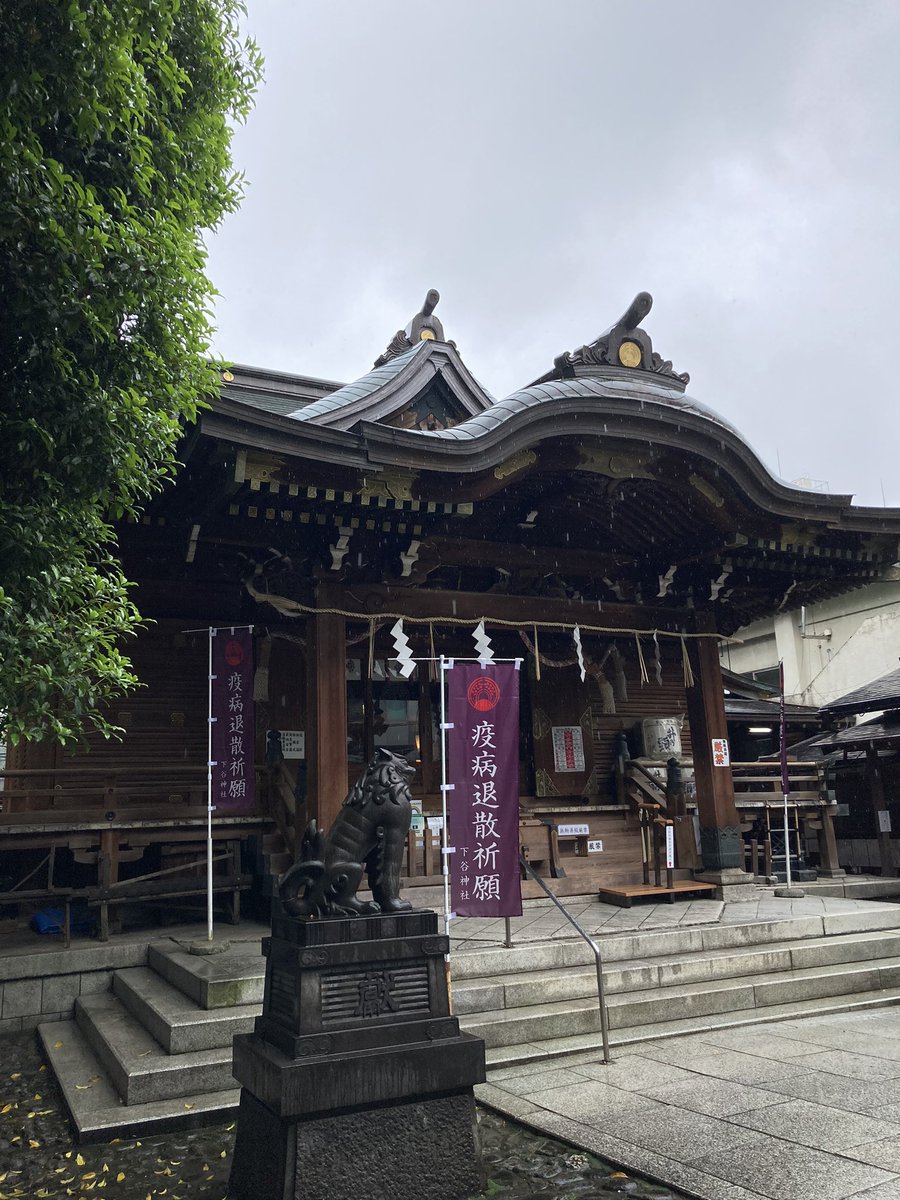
{"x":801,"y":1110}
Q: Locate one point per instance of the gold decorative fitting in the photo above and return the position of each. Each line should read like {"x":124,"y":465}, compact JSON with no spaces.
{"x":518,"y":462}
{"x":389,"y":485}
{"x":630,"y":354}
{"x":699,"y":484}
{"x":615,"y":466}
{"x":227,"y":376}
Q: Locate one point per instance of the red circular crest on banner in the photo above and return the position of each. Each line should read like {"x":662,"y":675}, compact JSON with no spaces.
{"x":483,"y":694}
{"x":234,"y":653}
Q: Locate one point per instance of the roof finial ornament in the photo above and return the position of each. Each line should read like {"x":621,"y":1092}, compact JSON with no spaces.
{"x":424,"y":327}
{"x":622,"y":345}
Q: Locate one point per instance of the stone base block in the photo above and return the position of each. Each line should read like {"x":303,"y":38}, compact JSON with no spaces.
{"x":411,"y":1150}
{"x":732,"y":884}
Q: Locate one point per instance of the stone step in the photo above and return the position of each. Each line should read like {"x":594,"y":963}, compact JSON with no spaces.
{"x":538,"y":1022}
{"x":178,"y":1023}
{"x":236,"y":977}
{"x":94,"y":1104}
{"x":137,"y":1066}
{"x":706,"y":939}
{"x":540,"y":987}
{"x":590,"y":1044}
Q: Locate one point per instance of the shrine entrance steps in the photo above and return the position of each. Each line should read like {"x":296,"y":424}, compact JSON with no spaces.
{"x":154,"y":1052}
{"x":539,"y":1001}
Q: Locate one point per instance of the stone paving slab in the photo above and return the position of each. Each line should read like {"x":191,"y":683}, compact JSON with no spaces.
{"x":761,"y":1117}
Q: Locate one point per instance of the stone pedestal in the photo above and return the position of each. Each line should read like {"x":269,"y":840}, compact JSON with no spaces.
{"x":357,"y":1081}
{"x":732,"y":884}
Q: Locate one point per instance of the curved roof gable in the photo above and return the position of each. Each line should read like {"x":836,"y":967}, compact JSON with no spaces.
{"x":426,"y":388}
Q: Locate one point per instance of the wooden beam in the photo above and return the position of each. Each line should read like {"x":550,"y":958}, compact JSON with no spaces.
{"x":515,"y":556}
{"x":326,"y":706}
{"x":879,"y":805}
{"x":372,"y":599}
{"x":721,"y":845}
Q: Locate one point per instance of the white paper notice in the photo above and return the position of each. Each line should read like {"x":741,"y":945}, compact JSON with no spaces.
{"x":720,"y":754}
{"x":670,"y":846}
{"x":292,"y":741}
{"x":884,"y":821}
{"x":568,"y":748}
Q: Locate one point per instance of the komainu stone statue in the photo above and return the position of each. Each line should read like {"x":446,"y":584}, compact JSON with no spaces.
{"x":369,"y":834}
{"x":356,"y":1080}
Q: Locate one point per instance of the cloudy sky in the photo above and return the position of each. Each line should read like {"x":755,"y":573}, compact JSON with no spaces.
{"x":541,"y":161}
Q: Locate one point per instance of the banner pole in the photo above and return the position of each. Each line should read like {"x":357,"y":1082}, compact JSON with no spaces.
{"x":445,"y":865}
{"x":209,"y":797}
{"x":785,"y":777}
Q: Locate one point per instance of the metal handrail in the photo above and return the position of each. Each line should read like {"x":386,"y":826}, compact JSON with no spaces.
{"x":601,"y":993}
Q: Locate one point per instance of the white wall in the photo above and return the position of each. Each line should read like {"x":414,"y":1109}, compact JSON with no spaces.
{"x":864,"y":643}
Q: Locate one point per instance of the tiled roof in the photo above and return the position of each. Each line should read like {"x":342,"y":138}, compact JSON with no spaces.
{"x":644,"y":391}
{"x":351,"y":392}
{"x":881,"y":693}
{"x":739,"y":709}
{"x":882,"y":732}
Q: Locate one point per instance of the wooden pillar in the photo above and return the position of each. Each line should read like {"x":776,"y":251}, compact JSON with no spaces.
{"x":829,"y":864}
{"x":721,"y":846}
{"x":326,"y":707}
{"x":879,"y":805}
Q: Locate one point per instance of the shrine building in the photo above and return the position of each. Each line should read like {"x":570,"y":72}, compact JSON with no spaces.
{"x":599,"y":496}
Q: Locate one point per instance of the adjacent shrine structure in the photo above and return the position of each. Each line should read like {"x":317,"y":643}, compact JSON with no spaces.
{"x":600,"y":496}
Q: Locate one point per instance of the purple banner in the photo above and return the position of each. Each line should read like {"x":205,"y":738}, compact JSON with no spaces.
{"x":234,"y":724}
{"x":483,"y":805}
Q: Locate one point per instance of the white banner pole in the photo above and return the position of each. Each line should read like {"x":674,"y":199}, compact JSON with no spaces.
{"x":209,"y":797}
{"x":445,"y":835}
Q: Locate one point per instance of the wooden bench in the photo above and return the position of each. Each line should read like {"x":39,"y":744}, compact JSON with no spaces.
{"x":623,"y":896}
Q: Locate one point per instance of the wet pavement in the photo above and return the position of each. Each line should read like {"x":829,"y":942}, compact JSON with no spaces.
{"x":803,"y":1109}
{"x":38,"y":1158}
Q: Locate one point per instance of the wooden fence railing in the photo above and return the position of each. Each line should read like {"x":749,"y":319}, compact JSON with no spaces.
{"x":72,"y":794}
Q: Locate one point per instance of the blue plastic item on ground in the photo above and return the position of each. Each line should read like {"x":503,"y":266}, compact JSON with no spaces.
{"x":50,"y":920}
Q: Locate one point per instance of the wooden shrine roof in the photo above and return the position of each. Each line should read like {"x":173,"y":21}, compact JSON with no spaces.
{"x":602,"y":482}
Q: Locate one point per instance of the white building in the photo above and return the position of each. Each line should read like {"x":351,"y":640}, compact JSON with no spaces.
{"x":828,"y":648}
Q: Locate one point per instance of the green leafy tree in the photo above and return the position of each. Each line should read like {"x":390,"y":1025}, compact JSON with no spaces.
{"x":115,"y":128}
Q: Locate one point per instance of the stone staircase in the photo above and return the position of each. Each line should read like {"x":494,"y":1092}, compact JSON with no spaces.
{"x":540,"y":1001}
{"x":155,"y":1051}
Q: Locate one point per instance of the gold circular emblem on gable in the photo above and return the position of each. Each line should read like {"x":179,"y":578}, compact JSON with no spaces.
{"x":630,"y":354}
{"x":427,"y":335}
{"x":227,"y":376}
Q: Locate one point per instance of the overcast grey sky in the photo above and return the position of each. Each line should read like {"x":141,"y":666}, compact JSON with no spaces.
{"x":541,"y":161}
